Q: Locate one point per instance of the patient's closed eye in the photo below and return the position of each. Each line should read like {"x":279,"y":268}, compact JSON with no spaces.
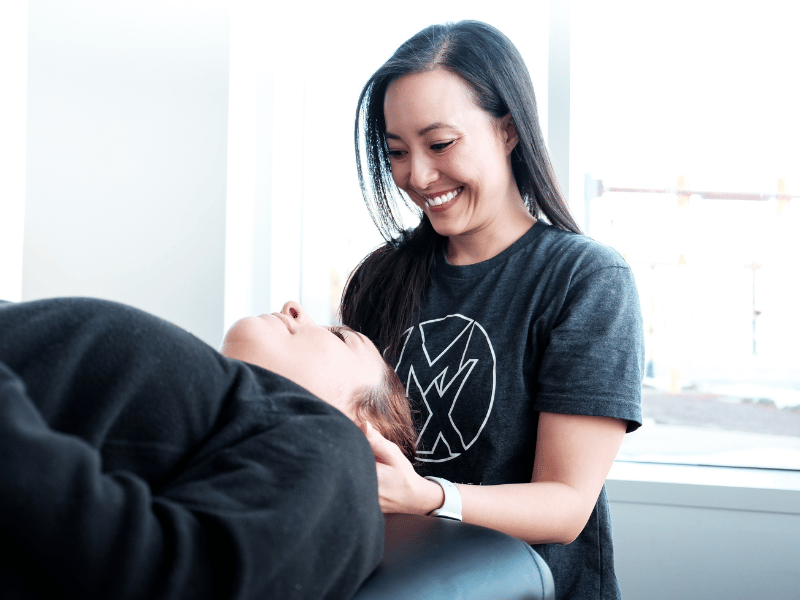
{"x":339,"y":332}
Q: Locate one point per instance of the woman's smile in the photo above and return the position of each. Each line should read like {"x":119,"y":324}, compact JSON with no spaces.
{"x":441,"y":201}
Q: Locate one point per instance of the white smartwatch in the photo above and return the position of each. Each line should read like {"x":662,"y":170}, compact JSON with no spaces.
{"x":451,"y":509}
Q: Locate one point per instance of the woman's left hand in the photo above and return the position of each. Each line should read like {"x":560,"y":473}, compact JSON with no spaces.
{"x":400,"y":488}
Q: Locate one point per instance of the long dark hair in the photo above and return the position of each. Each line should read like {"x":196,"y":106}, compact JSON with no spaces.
{"x":384,"y":292}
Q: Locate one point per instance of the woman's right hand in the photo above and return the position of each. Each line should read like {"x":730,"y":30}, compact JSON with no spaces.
{"x":400,"y":488}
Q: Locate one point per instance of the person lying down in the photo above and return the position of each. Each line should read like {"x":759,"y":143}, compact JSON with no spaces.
{"x":352,"y":377}
{"x":139,"y":462}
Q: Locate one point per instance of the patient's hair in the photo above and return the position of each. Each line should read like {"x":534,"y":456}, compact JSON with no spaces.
{"x":387,"y":408}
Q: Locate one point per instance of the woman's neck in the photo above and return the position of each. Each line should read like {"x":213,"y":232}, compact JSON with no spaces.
{"x":483,"y":244}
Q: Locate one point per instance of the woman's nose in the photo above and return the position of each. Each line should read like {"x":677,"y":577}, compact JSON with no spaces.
{"x":422,"y":172}
{"x":295,"y":311}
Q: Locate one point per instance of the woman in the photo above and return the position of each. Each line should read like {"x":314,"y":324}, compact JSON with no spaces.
{"x":139,"y":462}
{"x":519,"y":341}
{"x":336,"y":364}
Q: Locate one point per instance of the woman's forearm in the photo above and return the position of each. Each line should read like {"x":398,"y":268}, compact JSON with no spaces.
{"x":538,"y":513}
{"x":573,"y":457}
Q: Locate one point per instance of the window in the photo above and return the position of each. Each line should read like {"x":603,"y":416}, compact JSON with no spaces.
{"x":685,"y":146}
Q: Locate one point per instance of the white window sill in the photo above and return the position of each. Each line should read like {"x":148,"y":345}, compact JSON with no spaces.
{"x":730,"y":488}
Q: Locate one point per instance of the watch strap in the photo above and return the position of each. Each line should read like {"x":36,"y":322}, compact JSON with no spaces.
{"x":451,"y":509}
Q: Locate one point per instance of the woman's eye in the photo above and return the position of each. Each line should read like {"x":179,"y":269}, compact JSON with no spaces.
{"x":440,"y":146}
{"x":338,"y":332}
{"x":396,"y":153}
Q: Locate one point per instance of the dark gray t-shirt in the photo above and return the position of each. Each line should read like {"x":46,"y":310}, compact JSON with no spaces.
{"x":550,"y":324}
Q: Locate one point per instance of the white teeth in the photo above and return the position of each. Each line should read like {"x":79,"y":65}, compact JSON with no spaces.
{"x":439,"y":200}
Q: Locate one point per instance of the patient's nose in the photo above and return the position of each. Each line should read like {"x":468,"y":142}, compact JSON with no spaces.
{"x":295,"y":311}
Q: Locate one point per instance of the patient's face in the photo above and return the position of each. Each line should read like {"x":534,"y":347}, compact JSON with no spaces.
{"x":332,"y":365}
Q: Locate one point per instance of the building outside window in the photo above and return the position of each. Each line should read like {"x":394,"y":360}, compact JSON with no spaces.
{"x":684,"y":142}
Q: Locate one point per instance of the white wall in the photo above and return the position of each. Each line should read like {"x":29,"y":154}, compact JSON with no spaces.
{"x":130,"y":158}
{"x":13,"y":76}
{"x":705,"y":533}
{"x":126,"y":155}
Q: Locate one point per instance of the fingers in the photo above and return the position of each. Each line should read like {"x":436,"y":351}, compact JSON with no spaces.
{"x":381,"y":447}
{"x":397,"y":480}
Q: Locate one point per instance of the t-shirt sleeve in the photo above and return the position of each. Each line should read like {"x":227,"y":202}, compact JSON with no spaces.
{"x":594,"y":359}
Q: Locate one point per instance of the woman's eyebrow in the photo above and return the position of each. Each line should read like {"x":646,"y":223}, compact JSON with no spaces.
{"x":437,"y":125}
{"x":424,"y":130}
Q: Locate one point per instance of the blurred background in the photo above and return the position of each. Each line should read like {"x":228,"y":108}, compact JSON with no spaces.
{"x":195,"y":159}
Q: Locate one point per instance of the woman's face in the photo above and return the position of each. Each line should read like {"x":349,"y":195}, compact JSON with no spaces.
{"x":449,"y":155}
{"x":332,"y":363}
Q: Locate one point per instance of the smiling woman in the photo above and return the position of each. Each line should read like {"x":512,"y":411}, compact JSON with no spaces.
{"x":448,"y":155}
{"x":518,"y":339}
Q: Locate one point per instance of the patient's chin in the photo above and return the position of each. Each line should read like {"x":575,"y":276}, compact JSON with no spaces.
{"x":240,"y":350}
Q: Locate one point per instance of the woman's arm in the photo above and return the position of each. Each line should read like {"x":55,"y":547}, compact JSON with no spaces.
{"x":574,"y":454}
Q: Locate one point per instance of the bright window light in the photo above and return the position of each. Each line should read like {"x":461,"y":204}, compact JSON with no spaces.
{"x":685,"y":141}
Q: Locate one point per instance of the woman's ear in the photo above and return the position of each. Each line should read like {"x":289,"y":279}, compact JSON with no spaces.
{"x":509,"y":133}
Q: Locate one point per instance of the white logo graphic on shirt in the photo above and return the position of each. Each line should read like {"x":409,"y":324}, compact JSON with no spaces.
{"x":448,"y":367}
